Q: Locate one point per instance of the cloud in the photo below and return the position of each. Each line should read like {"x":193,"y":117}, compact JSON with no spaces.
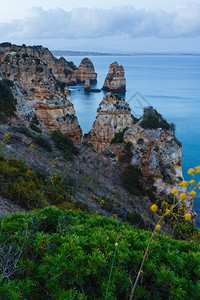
{"x":85,"y":23}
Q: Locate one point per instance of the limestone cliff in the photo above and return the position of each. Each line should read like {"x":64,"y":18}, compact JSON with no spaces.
{"x":115,"y":80}
{"x":61,"y":68}
{"x":86,"y":71}
{"x":158,"y":154}
{"x":113,"y":115}
{"x":49,"y":97}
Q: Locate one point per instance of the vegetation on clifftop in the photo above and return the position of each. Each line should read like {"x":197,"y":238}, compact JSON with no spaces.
{"x":151,"y":119}
{"x":68,"y":255}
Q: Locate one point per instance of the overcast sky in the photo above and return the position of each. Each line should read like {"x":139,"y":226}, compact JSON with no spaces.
{"x":112,"y":25}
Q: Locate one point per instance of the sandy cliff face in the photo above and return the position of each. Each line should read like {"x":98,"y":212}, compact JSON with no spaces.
{"x":158,"y":154}
{"x":49,"y":97}
{"x":86,"y":71}
{"x":113,"y":115}
{"x":115,"y":80}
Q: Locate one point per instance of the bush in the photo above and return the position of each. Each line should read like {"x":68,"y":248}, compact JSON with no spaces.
{"x":69,"y":254}
{"x":132,"y":180}
{"x":64,"y":143}
{"x":118,"y":138}
{"x":25,"y":187}
{"x":152,"y":120}
{"x":35,"y":128}
{"x":5,"y":44}
{"x":7,"y":100}
{"x":43,"y":142}
{"x":24,"y":130}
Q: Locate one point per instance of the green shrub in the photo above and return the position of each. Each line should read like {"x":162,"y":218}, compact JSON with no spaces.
{"x":3,"y":118}
{"x":43,"y":142}
{"x":25,"y":187}
{"x":132,"y":180}
{"x":118,"y":138}
{"x":64,"y":143}
{"x":69,"y":254}
{"x":35,"y":128}
{"x":5,"y":44}
{"x":24,"y":130}
{"x":35,"y":120}
{"x":7,"y":100}
{"x":153,"y":120}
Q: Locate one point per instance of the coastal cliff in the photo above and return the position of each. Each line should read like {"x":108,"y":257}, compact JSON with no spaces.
{"x":156,"y":152}
{"x":48,"y":96}
{"x":115,"y":80}
{"x":113,"y":115}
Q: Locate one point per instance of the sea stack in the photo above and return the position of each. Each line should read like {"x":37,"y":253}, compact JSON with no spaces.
{"x":115,"y":80}
{"x":113,"y":115}
{"x":86,"y":71}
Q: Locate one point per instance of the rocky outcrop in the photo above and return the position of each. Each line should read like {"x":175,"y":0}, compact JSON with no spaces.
{"x":115,"y":80}
{"x":158,"y":154}
{"x":62,"y":69}
{"x":113,"y":115}
{"x":86,"y":71}
{"x":49,"y":97}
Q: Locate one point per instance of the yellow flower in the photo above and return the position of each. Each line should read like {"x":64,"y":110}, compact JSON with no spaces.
{"x":154,"y":207}
{"x":184,"y":183}
{"x":182,"y":196}
{"x":187,"y":216}
{"x":193,"y":193}
{"x":167,"y":211}
{"x":191,"y":171}
{"x":192,"y":182}
{"x":174,"y":191}
{"x":198,"y":169}
{"x":158,"y":227}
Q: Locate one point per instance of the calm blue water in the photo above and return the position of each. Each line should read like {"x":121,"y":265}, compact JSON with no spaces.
{"x":171,"y":84}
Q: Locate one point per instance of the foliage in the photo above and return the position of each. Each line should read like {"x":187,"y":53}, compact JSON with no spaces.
{"x":69,"y":255}
{"x":43,"y":142}
{"x":24,"y":130}
{"x":152,"y":120}
{"x":30,"y":189}
{"x":132,"y":180}
{"x":39,"y":139}
{"x":7,"y":100}
{"x":5,"y":44}
{"x":118,"y":138}
{"x":64,"y":143}
{"x":35,"y":128}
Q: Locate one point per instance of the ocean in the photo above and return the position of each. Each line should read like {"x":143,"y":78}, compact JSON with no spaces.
{"x":171,"y":84}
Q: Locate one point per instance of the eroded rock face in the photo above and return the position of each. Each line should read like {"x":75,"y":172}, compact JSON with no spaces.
{"x":158,"y":154}
{"x":115,"y":80}
{"x":49,"y":97}
{"x":113,"y":115}
{"x":86,"y":71}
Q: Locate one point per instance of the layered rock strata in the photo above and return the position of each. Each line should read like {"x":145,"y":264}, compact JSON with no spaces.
{"x":49,"y":97}
{"x":61,"y":68}
{"x":115,"y":80}
{"x":158,"y":154}
{"x":113,"y":115}
{"x":86,"y":72}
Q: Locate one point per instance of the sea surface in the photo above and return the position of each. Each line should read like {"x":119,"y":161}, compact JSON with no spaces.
{"x":171,"y":84}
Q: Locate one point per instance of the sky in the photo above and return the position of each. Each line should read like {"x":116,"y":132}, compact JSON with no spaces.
{"x":104,"y":26}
